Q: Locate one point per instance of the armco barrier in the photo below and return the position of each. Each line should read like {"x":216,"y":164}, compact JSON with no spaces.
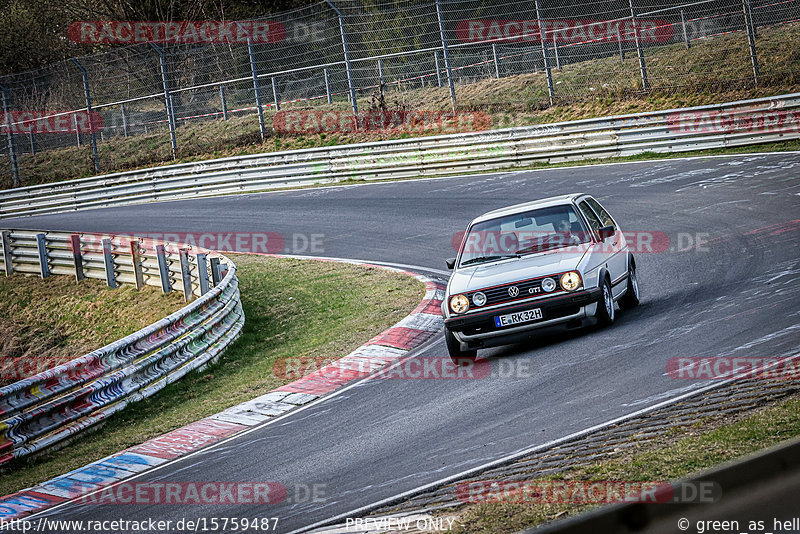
{"x":722,"y":125}
{"x":47,"y":408}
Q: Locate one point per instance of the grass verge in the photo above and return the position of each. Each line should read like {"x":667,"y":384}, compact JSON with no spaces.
{"x":44,"y":323}
{"x":669,"y":458}
{"x":714,"y":70}
{"x":292,"y":308}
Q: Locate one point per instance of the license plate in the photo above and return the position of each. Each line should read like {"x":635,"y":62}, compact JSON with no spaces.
{"x":519,"y":317}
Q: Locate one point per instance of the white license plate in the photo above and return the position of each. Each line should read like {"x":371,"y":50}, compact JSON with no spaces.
{"x":519,"y":317}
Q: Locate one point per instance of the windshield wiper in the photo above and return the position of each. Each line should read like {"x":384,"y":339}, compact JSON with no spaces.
{"x":483,"y":259}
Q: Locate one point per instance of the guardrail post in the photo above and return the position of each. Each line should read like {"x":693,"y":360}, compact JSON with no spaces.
{"x":223,"y":102}
{"x":555,"y":48}
{"x":183,"y":254}
{"x":202,"y":272}
{"x":88,"y":96}
{"x":10,"y":138}
{"x":438,"y":69}
{"x":685,"y":32}
{"x":216,"y":276}
{"x":639,"y":50}
{"x":496,"y":61}
{"x":275,"y":95}
{"x":163,"y":269}
{"x":748,"y":22}
{"x":8,"y":264}
{"x":545,"y":57}
{"x":108,"y":261}
{"x":346,"y":51}
{"x":167,"y":99}
{"x":41,"y":247}
{"x":136,"y":262}
{"x":327,"y":85}
{"x":124,"y":120}
{"x":446,"y":53}
{"x":77,"y":256}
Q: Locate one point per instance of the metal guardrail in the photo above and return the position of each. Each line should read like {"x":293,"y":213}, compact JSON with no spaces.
{"x":678,"y":130}
{"x":44,"y":409}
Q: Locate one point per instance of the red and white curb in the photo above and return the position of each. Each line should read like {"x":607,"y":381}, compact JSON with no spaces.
{"x":382,"y":350}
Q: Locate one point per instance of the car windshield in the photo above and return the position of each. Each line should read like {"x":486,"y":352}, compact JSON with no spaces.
{"x":523,"y":233}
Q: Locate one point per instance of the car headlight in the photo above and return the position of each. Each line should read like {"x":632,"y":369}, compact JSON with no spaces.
{"x":548,"y":285}
{"x":459,"y":303}
{"x":571,"y":281}
{"x":479,"y":299}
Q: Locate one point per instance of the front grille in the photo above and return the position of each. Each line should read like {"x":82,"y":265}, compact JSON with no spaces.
{"x":527,"y":289}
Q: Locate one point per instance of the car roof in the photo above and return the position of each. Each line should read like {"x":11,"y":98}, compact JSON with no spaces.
{"x":526,"y":206}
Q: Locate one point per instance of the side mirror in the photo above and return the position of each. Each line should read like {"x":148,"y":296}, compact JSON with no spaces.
{"x":606,"y":232}
{"x":451,"y":263}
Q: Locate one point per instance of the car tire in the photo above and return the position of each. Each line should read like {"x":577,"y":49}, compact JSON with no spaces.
{"x":454,"y":349}
{"x":631,"y":297}
{"x":605,"y":313}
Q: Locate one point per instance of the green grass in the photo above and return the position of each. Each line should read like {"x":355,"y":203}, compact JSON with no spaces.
{"x":293,"y":308}
{"x":671,"y":458}
{"x":712,"y":71}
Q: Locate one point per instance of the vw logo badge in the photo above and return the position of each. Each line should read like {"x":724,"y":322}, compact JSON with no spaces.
{"x":513,"y":291}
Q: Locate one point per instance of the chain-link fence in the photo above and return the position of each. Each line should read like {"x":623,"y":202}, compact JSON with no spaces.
{"x":339,"y":53}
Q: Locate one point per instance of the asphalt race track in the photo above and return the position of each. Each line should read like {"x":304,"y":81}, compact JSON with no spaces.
{"x":734,"y":294}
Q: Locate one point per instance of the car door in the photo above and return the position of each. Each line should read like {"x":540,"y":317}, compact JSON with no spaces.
{"x":616,"y":247}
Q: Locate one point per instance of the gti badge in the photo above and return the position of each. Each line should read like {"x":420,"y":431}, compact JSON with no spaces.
{"x":513,"y":291}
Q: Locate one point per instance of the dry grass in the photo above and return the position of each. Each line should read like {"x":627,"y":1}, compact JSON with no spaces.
{"x":47,"y":322}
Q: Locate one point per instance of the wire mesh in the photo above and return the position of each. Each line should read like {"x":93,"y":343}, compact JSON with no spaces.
{"x":600,"y":48}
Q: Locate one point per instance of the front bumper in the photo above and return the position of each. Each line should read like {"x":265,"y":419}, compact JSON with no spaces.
{"x":479,"y":330}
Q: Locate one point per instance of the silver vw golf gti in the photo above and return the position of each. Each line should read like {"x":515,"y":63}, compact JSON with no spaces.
{"x":559,"y":260}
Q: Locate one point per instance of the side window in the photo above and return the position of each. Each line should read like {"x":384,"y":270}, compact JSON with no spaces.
{"x":594,"y":222}
{"x":605,"y":218}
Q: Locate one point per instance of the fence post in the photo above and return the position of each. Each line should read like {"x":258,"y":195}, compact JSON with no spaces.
{"x":33,"y":144}
{"x":10,"y":138}
{"x":685,"y":33}
{"x":136,"y":261}
{"x":446,"y":53}
{"x":254,"y":72}
{"x":223,"y":102}
{"x":555,"y":48}
{"x":163,"y":269}
{"x":88,"y":95}
{"x":183,"y":254}
{"x":496,"y":61}
{"x":167,"y":100}
{"x":438,"y":69}
{"x":748,"y":22}
{"x":108,"y":261}
{"x":619,"y":45}
{"x":327,"y":85}
{"x":381,"y":79}
{"x":639,"y":50}
{"x":41,"y":247}
{"x":346,"y":51}
{"x":546,"y":60}
{"x":202,"y":272}
{"x":275,"y":95}
{"x":8,"y":264}
{"x":75,"y":125}
{"x":124,"y":121}
{"x":77,"y":256}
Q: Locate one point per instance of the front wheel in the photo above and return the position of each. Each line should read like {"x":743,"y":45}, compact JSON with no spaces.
{"x":605,"y":313}
{"x":631,"y":297}
{"x":454,"y":348}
